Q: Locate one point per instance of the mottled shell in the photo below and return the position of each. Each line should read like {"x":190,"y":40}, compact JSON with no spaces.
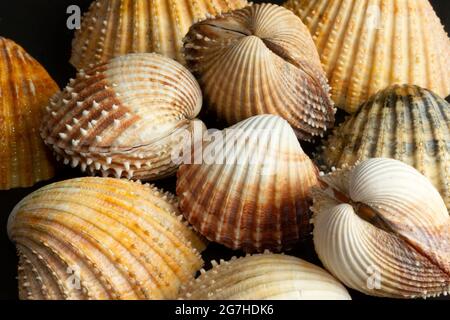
{"x":383,"y":229}
{"x":261,"y":60}
{"x":265,"y":277}
{"x":25,"y":89}
{"x":252,"y":189}
{"x":368,"y":45}
{"x":124,"y":118}
{"x":102,"y":238}
{"x":406,"y":123}
{"x":116,"y":27}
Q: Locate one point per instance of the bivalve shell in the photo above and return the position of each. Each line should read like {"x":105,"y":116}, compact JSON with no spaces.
{"x":265,"y":277}
{"x":252,"y":189}
{"x":125,"y":118}
{"x":116,"y":27}
{"x":367,"y":45}
{"x":406,"y":123}
{"x":102,"y":238}
{"x":383,"y":229}
{"x":261,"y":60}
{"x":25,"y":89}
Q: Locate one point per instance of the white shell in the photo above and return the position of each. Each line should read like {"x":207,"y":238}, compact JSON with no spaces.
{"x":383,"y":229}
{"x":266,"y":276}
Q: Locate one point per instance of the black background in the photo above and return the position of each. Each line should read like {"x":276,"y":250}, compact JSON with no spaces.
{"x":40,"y":27}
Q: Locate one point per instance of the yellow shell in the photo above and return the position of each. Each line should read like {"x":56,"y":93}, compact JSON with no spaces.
{"x":406,"y":123}
{"x":367,"y":45}
{"x":25,"y":89}
{"x":124,"y":118}
{"x":252,"y":189}
{"x":102,"y":238}
{"x":383,"y":229}
{"x":116,"y":27}
{"x":261,"y":60}
{"x":265,"y":277}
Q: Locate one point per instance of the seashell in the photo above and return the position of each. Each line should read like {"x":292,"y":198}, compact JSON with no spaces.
{"x":116,"y":27}
{"x":252,"y":189}
{"x":265,"y":277}
{"x":366,"y":46}
{"x":406,"y":123}
{"x":102,"y":238}
{"x":25,"y":89}
{"x":383,"y":229}
{"x":125,"y":118}
{"x":261,"y":60}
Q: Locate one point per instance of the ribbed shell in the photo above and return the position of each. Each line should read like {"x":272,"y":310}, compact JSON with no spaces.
{"x":25,"y":89}
{"x":368,"y":45}
{"x":102,"y":238}
{"x":265,"y":277}
{"x":116,"y":27}
{"x":124,"y":118}
{"x":252,"y":189}
{"x":383,"y":229}
{"x":261,"y":60}
{"x":406,"y":123}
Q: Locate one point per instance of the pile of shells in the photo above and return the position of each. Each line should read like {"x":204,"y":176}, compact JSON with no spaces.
{"x":261,"y":60}
{"x":117,"y":27}
{"x":366,"y":46}
{"x":100,"y":238}
{"x":124,"y":118}
{"x":25,"y":88}
{"x":372,"y":202}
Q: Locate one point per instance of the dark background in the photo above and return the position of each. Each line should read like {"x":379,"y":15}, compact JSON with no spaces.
{"x":40,"y":27}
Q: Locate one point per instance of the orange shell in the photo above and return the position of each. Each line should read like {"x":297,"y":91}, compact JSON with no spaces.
{"x":25,"y":89}
{"x":102,"y":238}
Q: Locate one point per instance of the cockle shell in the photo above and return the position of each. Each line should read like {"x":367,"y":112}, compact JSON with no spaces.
{"x":383,"y":229}
{"x":25,"y":89}
{"x":406,"y":123}
{"x":124,"y":118}
{"x":116,"y":27}
{"x":367,"y":45}
{"x":102,"y":238}
{"x":252,"y":189}
{"x":261,"y":60}
{"x":264,"y":277}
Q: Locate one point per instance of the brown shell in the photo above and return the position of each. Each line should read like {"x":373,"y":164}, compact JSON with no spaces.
{"x":125,"y":118}
{"x":261,"y":60}
{"x":102,"y":238}
{"x":406,"y":123}
{"x":366,"y":46}
{"x":25,"y":89}
{"x":116,"y":27}
{"x":252,"y":189}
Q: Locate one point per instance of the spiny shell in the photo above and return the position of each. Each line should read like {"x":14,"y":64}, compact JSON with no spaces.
{"x":252,"y":190}
{"x":102,"y":238}
{"x":261,"y":60}
{"x":406,"y":123}
{"x":383,"y":229}
{"x":124,"y":118}
{"x":366,"y":46}
{"x":266,"y":276}
{"x":116,"y":27}
{"x":25,"y":89}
